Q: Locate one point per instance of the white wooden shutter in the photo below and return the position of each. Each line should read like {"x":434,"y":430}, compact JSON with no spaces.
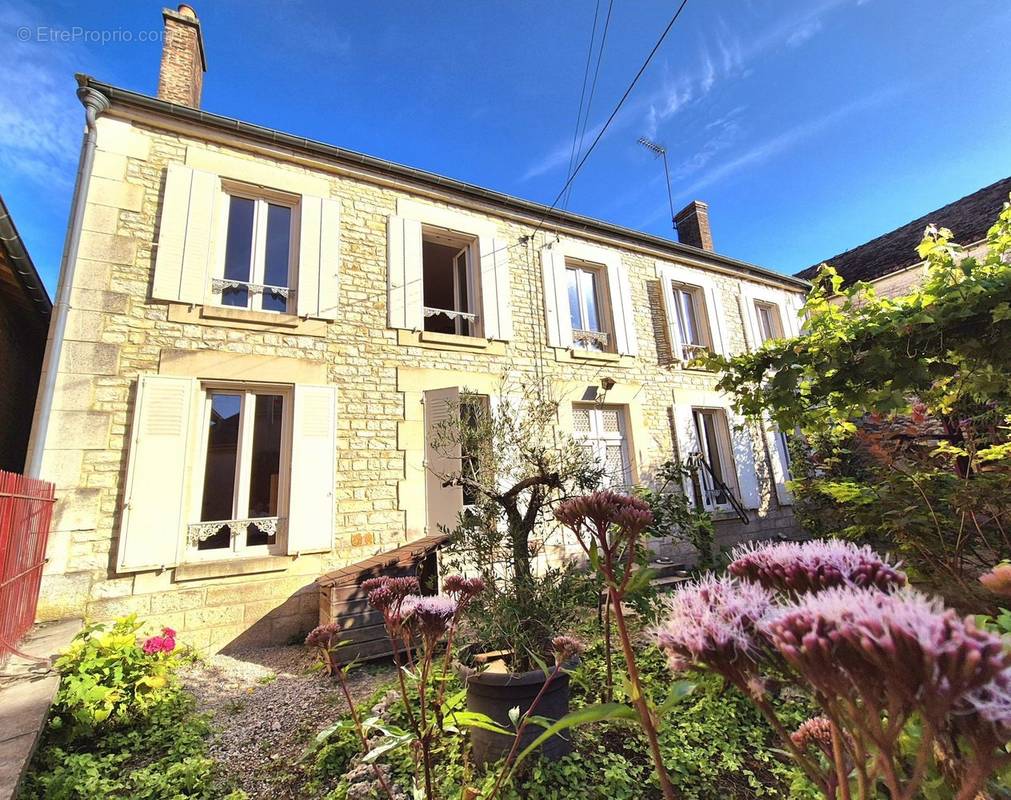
{"x":404,"y":279}
{"x":779,"y":459}
{"x":717,"y":322}
{"x":444,"y":503}
{"x":189,"y":217}
{"x":496,"y":302}
{"x":749,"y":319}
{"x":620,"y":290}
{"x":311,"y":504}
{"x":152,"y":525}
{"x":743,"y":442}
{"x":687,"y":439}
{"x":671,"y":313}
{"x":318,"y":257}
{"x":556,"y":297}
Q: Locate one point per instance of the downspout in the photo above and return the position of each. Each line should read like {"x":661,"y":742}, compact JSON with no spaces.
{"x":94,"y":104}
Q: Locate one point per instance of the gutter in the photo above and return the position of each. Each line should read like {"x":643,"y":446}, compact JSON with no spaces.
{"x":383,"y":167}
{"x":94,"y":104}
{"x":22,"y":263}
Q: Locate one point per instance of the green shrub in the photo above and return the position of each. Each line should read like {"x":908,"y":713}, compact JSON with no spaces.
{"x":108,"y":679}
{"x":121,"y":725}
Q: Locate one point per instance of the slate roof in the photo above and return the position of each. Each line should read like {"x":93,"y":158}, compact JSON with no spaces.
{"x":968,"y":219}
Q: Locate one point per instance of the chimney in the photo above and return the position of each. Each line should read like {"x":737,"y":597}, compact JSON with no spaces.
{"x":692,"y":223}
{"x":182,"y":58}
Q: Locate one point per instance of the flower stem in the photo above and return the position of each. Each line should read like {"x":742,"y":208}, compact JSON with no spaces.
{"x":639,"y":699}
{"x":361,"y":731}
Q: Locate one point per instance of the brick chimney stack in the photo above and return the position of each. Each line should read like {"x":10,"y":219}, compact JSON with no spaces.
{"x":182,"y":58}
{"x":692,"y":223}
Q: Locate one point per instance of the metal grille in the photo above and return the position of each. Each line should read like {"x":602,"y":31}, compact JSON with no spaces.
{"x":581,"y":420}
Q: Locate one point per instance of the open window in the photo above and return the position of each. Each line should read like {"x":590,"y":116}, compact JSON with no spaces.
{"x":692,"y":320}
{"x":242,"y":472}
{"x":601,"y":430}
{"x":589,"y":311}
{"x":449,"y":282}
{"x":474,"y":416}
{"x":770,"y":324}
{"x":259,"y":253}
{"x":716,"y":448}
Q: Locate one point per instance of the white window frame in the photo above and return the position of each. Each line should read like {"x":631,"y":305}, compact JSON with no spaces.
{"x":240,"y":507}
{"x":261,"y":198}
{"x":775,"y":318}
{"x":725,"y":453}
{"x":697,"y":297}
{"x":584,"y":337}
{"x":470,"y":250}
{"x":598,"y":440}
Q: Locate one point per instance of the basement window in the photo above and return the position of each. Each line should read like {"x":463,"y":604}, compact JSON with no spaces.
{"x":257,"y":272}
{"x":450,"y":282}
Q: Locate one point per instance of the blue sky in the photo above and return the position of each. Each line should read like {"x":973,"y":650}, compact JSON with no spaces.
{"x":809,"y":127}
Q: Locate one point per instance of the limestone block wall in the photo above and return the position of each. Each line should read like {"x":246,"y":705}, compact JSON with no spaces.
{"x":116,"y":332}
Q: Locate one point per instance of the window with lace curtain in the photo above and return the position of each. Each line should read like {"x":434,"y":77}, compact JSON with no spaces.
{"x":259,"y":252}
{"x":243,"y":471}
{"x":601,"y":430}
{"x":450,"y":284}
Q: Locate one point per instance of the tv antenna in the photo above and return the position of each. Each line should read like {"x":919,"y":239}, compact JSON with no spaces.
{"x":660,"y":151}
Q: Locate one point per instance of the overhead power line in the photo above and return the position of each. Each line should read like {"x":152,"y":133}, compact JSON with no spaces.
{"x":593,"y":89}
{"x":582,"y":92}
{"x":614,"y":113}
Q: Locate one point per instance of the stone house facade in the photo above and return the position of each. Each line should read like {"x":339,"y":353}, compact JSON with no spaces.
{"x":260,"y":331}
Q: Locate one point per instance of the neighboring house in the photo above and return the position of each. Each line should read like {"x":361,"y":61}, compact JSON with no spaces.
{"x":890,"y":262}
{"x":25,"y":309}
{"x":263,"y":329}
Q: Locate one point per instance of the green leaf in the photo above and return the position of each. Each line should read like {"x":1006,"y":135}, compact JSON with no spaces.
{"x":592,"y":713}
{"x":678,"y":692}
{"x":474,"y":719}
{"x":388,"y":745}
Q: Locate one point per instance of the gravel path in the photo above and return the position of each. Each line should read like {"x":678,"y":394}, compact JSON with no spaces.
{"x":267,"y":705}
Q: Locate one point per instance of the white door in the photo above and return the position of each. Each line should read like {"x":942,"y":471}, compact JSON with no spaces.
{"x":601,"y":431}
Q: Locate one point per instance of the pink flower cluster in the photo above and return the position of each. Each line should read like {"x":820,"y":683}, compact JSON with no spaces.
{"x":599,"y":511}
{"x":802,"y":567}
{"x":902,"y":647}
{"x":165,"y":643}
{"x":713,"y":623}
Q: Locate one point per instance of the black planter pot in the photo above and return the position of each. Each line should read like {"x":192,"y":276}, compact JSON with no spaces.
{"x":494,"y":694}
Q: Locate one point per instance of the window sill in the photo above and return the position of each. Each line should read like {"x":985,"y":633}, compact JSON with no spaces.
{"x":449,"y":341}
{"x":578,"y":356}
{"x":246,"y":319}
{"x":198,"y":570}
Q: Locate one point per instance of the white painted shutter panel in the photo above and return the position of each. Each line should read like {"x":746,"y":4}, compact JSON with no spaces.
{"x":752,"y":334}
{"x":311,"y":504}
{"x":318,"y":257}
{"x":620,"y":290}
{"x":743,"y":442}
{"x":495,"y":289}
{"x":189,"y":216}
{"x":444,"y":503}
{"x":153,"y":519}
{"x":687,"y":439}
{"x":717,"y":322}
{"x":779,"y":461}
{"x":404,"y":279}
{"x":671,"y":312}
{"x":795,"y":322}
{"x":551,"y":310}
{"x":556,"y":297}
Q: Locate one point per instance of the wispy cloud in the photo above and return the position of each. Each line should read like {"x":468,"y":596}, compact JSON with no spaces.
{"x":723,"y":55}
{"x":776,"y":145}
{"x":40,"y":120}
{"x":804,"y":31}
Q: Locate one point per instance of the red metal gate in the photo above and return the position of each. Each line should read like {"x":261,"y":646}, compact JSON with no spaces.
{"x":26,"y":509}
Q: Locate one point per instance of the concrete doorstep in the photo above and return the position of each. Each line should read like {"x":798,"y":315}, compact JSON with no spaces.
{"x":27,"y":689}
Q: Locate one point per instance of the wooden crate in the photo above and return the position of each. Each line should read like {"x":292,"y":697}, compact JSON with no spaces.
{"x":341,"y":599}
